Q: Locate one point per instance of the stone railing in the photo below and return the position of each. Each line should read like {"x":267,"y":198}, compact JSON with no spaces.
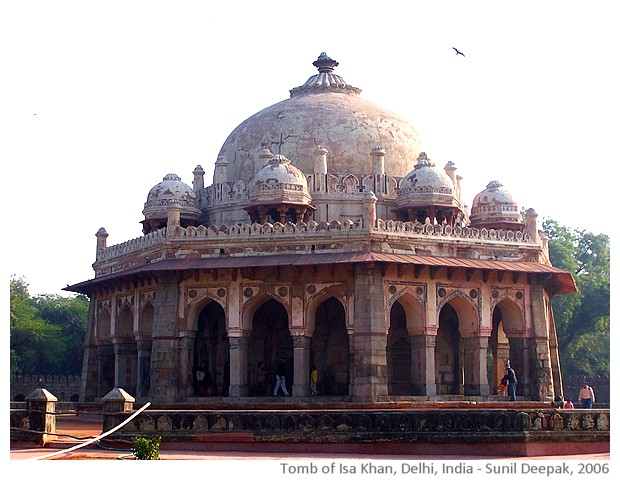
{"x":302,"y":228}
{"x":66,"y":387}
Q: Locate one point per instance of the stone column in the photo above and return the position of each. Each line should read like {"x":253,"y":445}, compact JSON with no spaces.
{"x":164,"y":355}
{"x":370,"y":345}
{"x":239,"y":382}
{"x":89,"y":379}
{"x":125,"y":366}
{"x":475,"y":367}
{"x":144,"y":368}
{"x":301,"y":358}
{"x":423,"y":365}
{"x":540,"y":352}
{"x":187,"y":340}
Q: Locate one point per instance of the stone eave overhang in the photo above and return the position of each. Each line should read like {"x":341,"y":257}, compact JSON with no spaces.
{"x":555,"y":280}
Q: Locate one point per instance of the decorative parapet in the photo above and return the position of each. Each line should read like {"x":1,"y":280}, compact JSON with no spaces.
{"x":131,"y":246}
{"x":409,"y":230}
{"x":362,"y":425}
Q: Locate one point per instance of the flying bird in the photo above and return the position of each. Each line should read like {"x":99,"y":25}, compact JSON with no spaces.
{"x":457,"y":52}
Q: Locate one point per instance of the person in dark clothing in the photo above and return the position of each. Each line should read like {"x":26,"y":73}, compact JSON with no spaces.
{"x":511,"y":380}
{"x":280,"y":379}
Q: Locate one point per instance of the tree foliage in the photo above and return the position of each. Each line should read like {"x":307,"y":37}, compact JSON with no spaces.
{"x":582,"y":319}
{"x":47,"y":331}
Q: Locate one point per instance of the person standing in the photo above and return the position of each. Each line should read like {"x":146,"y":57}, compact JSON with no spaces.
{"x":261,"y":376}
{"x":280,"y":379}
{"x":314,"y":379}
{"x":511,"y":380}
{"x":586,"y":395}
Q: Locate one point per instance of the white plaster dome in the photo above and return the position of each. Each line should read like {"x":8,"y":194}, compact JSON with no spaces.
{"x":279,"y":181}
{"x":324,"y":111}
{"x":170,"y":190}
{"x":494,"y":207}
{"x":427,"y":184}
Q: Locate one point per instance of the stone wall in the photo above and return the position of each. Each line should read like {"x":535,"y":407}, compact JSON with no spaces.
{"x":65,"y":387}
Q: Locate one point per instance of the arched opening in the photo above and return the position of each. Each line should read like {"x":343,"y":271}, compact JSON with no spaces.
{"x":506,"y":342}
{"x":105,"y":353}
{"x":498,"y":352}
{"x":330,"y":348}
{"x":399,"y":353}
{"x":448,"y":368}
{"x":211,"y":362}
{"x":270,"y":341}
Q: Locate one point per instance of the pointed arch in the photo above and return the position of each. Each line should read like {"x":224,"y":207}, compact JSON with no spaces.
{"x":270,"y":339}
{"x":329,"y":349}
{"x":211,"y":351}
{"x":399,"y":352}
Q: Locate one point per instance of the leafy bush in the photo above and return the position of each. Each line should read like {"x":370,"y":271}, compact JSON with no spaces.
{"x":145,"y":448}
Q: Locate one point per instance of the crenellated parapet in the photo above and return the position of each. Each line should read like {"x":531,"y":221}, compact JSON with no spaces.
{"x":407,"y":231}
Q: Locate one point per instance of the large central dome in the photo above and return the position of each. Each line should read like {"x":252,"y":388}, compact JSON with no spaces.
{"x":325,"y":111}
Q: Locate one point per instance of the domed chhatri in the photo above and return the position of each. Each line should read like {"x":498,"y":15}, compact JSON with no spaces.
{"x":170,"y":190}
{"x":329,"y":238}
{"x":429,"y":194}
{"x":279,"y":191}
{"x":495,"y":208}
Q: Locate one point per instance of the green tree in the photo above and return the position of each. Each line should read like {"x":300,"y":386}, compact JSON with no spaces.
{"x":46,"y":332}
{"x":582,"y":319}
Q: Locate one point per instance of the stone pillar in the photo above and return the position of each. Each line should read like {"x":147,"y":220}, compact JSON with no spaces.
{"x":187,"y":340}
{"x":41,"y":405}
{"x":370,"y":345}
{"x":475,"y":367}
{"x":370,"y":210}
{"x":423,"y":365}
{"x":301,"y":359}
{"x":144,"y":368}
{"x":239,"y":382}
{"x":165,"y":351}
{"x":540,"y":352}
{"x":90,"y":365}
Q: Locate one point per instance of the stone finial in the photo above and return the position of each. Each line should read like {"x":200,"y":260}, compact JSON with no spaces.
{"x":174,"y":218}
{"x":102,"y":236}
{"x":325,"y":64}
{"x":320,"y":163}
{"x":378,"y":167}
{"x":199,"y":178}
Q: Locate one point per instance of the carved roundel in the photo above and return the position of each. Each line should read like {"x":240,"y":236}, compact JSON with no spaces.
{"x":519,"y":295}
{"x":311,"y":289}
{"x":248,"y":292}
{"x":392,"y":289}
{"x":283,"y":291}
{"x":221,"y":292}
{"x":419,"y":290}
{"x":473,"y":293}
{"x":192,"y":293}
{"x":441,"y":292}
{"x":495,"y":294}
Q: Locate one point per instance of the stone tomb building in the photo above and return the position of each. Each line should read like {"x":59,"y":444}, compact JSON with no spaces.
{"x":327,"y":237}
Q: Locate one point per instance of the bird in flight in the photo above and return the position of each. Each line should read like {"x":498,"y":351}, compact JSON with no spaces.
{"x":457,"y":52}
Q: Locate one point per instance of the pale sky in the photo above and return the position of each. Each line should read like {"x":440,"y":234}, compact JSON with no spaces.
{"x":100,"y":100}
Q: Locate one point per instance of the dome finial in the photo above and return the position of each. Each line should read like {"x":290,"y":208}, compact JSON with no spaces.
{"x":324,"y":63}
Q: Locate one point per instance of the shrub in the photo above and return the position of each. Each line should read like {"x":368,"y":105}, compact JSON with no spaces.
{"x":146,"y":448}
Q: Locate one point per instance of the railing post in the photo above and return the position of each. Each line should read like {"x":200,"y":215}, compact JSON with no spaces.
{"x":41,"y":406}
{"x":115,"y":403}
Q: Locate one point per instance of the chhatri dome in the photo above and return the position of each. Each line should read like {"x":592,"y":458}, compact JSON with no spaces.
{"x":170,"y":190}
{"x":495,"y":208}
{"x":324,"y":111}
